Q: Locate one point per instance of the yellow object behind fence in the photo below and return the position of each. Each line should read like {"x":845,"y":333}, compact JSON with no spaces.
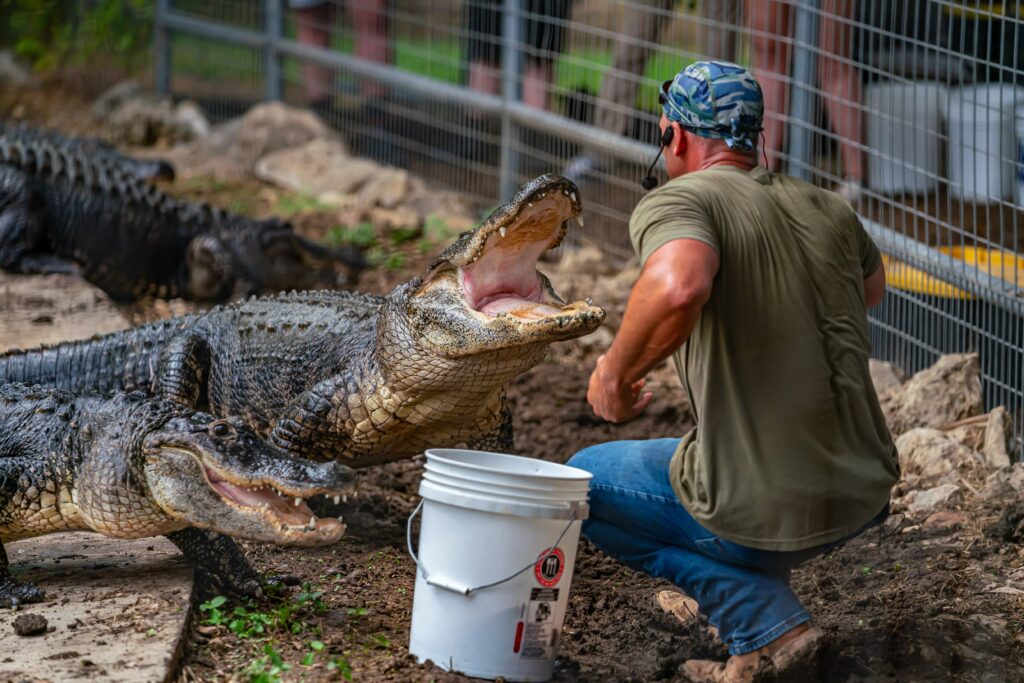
{"x":1004,"y":265}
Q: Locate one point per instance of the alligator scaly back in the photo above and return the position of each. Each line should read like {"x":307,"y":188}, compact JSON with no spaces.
{"x":63,"y":206}
{"x":121,"y":360}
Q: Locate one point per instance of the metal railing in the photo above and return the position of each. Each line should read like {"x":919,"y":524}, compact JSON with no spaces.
{"x":913,"y":108}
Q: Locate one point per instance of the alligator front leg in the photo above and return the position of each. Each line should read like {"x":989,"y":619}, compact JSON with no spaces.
{"x":501,"y":438}
{"x":182,"y":371}
{"x":22,"y":234}
{"x":14,"y":593}
{"x":218,"y":559}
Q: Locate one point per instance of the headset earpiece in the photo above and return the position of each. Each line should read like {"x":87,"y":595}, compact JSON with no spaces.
{"x":668,"y":136}
{"x":649,"y":182}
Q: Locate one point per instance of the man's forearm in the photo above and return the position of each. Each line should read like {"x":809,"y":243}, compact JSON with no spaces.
{"x":652,"y":329}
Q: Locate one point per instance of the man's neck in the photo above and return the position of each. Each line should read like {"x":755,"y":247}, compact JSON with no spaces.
{"x":744,"y":161}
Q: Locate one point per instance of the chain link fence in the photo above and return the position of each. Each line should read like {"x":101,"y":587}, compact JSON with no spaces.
{"x":911,"y":109}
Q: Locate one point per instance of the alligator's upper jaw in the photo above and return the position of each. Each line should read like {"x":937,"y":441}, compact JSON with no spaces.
{"x":282,"y":506}
{"x":496,"y":265}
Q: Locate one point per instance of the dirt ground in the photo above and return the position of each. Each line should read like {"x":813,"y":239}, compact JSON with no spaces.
{"x":914,"y":601}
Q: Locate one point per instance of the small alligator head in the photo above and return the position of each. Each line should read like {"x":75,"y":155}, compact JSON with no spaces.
{"x":484,"y":293}
{"x":217,"y":474}
{"x":265,"y":256}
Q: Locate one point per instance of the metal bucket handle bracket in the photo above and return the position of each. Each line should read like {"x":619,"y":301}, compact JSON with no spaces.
{"x":462,"y":589}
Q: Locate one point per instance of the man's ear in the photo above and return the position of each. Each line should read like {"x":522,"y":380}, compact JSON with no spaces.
{"x":679,"y":140}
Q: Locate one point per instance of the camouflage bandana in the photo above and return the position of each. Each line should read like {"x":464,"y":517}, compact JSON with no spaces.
{"x":716,"y":100}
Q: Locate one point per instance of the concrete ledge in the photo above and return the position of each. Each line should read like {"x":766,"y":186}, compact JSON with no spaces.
{"x":117,"y":610}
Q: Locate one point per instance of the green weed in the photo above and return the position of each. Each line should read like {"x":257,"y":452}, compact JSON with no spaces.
{"x":362,"y":235}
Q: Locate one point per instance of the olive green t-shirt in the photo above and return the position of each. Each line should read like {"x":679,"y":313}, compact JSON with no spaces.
{"x":791,"y":449}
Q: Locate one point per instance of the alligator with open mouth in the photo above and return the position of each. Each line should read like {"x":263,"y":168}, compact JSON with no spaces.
{"x":129,"y":466}
{"x":67,"y":207}
{"x":356,"y":377}
{"x":353,"y":377}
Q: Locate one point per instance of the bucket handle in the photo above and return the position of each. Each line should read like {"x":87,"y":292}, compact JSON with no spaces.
{"x":461,"y":589}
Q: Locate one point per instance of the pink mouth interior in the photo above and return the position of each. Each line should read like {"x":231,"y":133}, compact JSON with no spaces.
{"x":266,"y":497}
{"x":504,"y":279}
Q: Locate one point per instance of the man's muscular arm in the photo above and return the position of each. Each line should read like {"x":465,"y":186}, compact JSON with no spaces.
{"x":874,"y":287}
{"x":662,"y":311}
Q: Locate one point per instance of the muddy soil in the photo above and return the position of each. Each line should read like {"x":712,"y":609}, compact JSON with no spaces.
{"x":919,"y":600}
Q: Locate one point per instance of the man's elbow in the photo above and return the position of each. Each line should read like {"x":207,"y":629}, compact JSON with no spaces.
{"x":688,"y":296}
{"x":874,"y":288}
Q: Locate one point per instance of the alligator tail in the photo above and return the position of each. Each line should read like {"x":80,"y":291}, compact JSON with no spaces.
{"x":123,"y":360}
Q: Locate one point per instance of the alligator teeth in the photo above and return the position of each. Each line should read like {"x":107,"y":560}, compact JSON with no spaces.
{"x":572,"y":196}
{"x":298,"y":501}
{"x":579,"y":219}
{"x":502,"y":231}
{"x":337,"y":499}
{"x":590,"y":302}
{"x":312,"y":523}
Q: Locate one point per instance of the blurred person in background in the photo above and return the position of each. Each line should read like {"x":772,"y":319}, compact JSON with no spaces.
{"x":758,"y":285}
{"x":640,"y":29}
{"x":771,"y":23}
{"x":316,"y":20}
{"x":543,"y":40}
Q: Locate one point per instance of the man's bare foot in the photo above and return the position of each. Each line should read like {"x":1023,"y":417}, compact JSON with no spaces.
{"x":797,"y":647}
{"x":682,"y":607}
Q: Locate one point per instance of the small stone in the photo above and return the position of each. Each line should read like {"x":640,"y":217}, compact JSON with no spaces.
{"x":921,"y":502}
{"x":945,"y":519}
{"x":30,"y":624}
{"x":947,"y":392}
{"x":997,"y":434}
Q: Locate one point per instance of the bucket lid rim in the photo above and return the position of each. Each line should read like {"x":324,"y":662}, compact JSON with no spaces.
{"x":438,"y":454}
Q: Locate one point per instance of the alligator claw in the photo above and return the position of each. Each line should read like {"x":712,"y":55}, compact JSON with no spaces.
{"x":13,"y":593}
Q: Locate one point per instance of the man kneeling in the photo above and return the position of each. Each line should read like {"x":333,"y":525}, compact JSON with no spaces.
{"x":759,"y":284}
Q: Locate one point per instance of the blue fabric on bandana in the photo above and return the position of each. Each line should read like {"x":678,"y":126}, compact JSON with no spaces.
{"x":716,"y":100}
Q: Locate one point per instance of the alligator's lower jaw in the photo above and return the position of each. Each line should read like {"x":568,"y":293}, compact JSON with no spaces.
{"x":295,"y":521}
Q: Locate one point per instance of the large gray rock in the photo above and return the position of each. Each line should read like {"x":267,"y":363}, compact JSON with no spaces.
{"x":13,"y":72}
{"x":320,"y":168}
{"x":885,"y":376}
{"x":1005,"y":484}
{"x":948,"y":391}
{"x":927,"y":501}
{"x":233,"y":149}
{"x":929,"y":457}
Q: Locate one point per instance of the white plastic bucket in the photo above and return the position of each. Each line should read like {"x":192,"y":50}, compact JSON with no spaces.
{"x":497,"y":548}
{"x":982,"y":142}
{"x":904,"y":136}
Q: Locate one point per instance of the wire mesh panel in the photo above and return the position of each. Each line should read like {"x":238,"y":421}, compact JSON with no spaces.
{"x":912,"y":110}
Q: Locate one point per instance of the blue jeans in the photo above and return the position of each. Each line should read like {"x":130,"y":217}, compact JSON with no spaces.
{"x":636,"y":518}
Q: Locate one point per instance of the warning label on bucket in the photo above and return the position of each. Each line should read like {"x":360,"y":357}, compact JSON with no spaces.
{"x":536,"y":634}
{"x":549,"y":567}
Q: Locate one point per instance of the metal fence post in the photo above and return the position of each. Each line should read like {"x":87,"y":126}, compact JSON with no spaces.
{"x":511,"y":59}
{"x":271,"y":57}
{"x":162,"y":46}
{"x":801,"y":97}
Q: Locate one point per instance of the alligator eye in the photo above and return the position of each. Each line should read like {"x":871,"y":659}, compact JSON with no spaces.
{"x":221,"y":430}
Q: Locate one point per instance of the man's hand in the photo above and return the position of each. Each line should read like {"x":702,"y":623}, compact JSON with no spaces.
{"x":611,"y":399}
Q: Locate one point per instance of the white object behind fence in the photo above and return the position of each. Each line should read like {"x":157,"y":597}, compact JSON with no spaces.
{"x":982,"y":142}
{"x":496,"y":554}
{"x":903,"y":120}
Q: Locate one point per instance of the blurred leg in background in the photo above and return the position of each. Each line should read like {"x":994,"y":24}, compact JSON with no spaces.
{"x":771,"y":24}
{"x":639,"y":33}
{"x":841,"y":81}
{"x":719,"y":30}
{"x":316,"y":24}
{"x":543,"y":40}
